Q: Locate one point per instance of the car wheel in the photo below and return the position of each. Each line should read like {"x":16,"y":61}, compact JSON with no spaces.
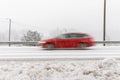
{"x":82,"y":45}
{"x":49,"y":46}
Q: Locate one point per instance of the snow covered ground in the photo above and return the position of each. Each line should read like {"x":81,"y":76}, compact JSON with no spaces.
{"x":72,"y":69}
{"x":108,"y":69}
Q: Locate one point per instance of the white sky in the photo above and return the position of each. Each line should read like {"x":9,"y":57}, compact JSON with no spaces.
{"x":47,"y":15}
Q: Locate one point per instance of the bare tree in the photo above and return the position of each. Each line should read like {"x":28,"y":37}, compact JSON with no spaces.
{"x":31,"y":36}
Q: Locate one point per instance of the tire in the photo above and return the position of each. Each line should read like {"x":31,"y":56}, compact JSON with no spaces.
{"x":49,"y":46}
{"x":82,"y":45}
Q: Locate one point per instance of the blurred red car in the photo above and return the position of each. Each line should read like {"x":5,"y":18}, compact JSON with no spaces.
{"x":68,"y":40}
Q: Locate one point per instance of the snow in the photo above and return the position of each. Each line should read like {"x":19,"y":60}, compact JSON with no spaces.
{"x":106,"y":69}
{"x":37,"y":52}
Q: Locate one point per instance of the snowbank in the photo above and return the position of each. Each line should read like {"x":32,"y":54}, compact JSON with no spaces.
{"x":108,"y":69}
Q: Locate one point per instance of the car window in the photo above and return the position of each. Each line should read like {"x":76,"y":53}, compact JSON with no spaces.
{"x":82,"y":35}
{"x":73,"y":35}
{"x":63,"y":36}
{"x":77,"y":35}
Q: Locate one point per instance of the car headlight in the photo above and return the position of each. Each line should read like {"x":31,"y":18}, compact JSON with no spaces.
{"x":42,"y":42}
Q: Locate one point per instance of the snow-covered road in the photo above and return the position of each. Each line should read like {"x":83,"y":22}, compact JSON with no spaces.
{"x":37,"y":52}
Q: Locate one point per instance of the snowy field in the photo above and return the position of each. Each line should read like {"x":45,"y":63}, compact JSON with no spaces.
{"x":108,"y":69}
{"x":60,"y":64}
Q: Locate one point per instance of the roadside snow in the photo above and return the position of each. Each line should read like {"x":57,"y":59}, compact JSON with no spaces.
{"x":108,"y":69}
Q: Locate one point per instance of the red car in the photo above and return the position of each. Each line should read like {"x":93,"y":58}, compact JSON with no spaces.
{"x":68,"y":40}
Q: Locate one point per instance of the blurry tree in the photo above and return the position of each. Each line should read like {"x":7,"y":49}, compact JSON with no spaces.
{"x":31,"y":36}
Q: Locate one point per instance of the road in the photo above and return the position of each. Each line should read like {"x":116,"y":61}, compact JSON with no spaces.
{"x":39,"y":53}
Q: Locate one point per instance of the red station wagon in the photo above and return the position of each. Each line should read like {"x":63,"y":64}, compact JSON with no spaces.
{"x":68,"y":40}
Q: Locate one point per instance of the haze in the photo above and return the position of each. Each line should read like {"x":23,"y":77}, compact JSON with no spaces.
{"x":46,"y":16}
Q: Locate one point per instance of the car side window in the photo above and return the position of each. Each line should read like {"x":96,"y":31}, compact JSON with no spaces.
{"x":64,"y":36}
{"x":77,"y":35}
{"x":82,"y":35}
{"x":73,"y":36}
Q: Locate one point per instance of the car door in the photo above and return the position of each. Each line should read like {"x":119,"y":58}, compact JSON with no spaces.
{"x":81,"y":38}
{"x":73,"y":40}
{"x":63,"y":41}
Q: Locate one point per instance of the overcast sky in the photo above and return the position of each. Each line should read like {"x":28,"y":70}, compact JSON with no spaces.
{"x":47,"y":15}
